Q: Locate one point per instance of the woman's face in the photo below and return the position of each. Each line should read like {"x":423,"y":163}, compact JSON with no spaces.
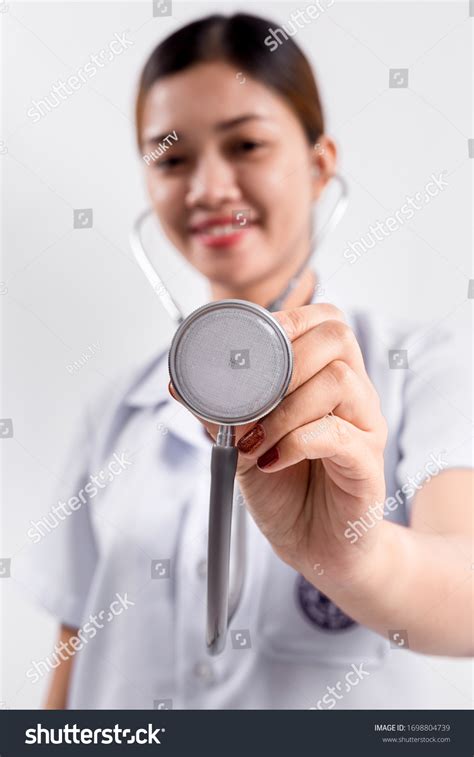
{"x":239,"y":149}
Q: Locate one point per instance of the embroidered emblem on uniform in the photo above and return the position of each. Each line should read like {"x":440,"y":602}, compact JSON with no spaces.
{"x":319,"y":609}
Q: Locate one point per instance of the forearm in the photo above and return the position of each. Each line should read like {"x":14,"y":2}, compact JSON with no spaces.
{"x":56,"y":698}
{"x":416,"y":582}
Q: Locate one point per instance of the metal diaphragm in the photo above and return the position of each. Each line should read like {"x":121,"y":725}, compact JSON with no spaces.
{"x":231,"y":362}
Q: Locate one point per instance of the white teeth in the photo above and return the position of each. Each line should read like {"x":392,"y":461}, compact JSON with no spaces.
{"x":217,"y":231}
{"x":220,"y":230}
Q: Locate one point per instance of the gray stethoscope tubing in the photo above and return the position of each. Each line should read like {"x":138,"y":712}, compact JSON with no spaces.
{"x":226,"y":556}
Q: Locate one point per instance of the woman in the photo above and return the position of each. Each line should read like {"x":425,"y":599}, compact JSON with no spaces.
{"x":331,"y":586}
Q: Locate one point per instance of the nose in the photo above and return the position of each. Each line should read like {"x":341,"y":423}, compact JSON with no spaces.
{"x":212,"y":184}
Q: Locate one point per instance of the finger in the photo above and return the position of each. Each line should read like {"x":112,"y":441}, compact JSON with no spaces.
{"x":298,"y":321}
{"x":334,"y":389}
{"x":329,"y":341}
{"x":345,"y":448}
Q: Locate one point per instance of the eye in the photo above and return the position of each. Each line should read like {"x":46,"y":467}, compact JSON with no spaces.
{"x":248,"y":145}
{"x":170,"y":163}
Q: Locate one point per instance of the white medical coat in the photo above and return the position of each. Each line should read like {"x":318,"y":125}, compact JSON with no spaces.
{"x":156,"y":509}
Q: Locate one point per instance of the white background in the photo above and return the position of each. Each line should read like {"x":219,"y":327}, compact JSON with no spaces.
{"x":68,"y":289}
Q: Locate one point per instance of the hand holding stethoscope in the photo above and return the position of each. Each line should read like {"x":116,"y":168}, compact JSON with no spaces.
{"x":302,"y":366}
{"x":316,"y":460}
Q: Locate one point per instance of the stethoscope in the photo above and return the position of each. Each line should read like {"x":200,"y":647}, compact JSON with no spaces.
{"x":229,"y":387}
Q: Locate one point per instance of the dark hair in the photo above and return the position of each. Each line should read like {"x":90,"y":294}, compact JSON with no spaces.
{"x":240,"y":40}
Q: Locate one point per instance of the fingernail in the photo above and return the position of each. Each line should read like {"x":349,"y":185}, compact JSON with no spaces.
{"x":252,"y":439}
{"x":270,"y":457}
{"x":169,"y":389}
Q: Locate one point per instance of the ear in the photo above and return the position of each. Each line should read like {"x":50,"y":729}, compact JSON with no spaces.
{"x":324,"y":161}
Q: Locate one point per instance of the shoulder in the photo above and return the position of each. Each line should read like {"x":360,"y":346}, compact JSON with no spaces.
{"x":422,"y":372}
{"x":403,"y":344}
{"x":423,"y":375}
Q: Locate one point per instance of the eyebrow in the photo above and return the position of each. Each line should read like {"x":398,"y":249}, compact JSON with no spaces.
{"x":221,"y":126}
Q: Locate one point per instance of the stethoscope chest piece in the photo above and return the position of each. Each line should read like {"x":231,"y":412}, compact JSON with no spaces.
{"x":231,"y":362}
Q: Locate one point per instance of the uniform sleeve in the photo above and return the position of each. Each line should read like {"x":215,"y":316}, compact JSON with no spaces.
{"x":436,"y":432}
{"x":57,"y":566}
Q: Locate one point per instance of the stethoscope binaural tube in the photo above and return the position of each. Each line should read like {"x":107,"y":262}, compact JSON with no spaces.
{"x":168,"y":302}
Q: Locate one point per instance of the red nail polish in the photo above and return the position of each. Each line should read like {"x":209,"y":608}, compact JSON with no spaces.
{"x":270,"y":457}
{"x":251,"y":440}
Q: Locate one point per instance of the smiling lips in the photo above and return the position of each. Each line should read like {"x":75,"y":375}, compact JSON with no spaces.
{"x":220,"y":232}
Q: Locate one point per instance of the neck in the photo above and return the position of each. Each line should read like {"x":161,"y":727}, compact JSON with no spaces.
{"x":264,"y":292}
